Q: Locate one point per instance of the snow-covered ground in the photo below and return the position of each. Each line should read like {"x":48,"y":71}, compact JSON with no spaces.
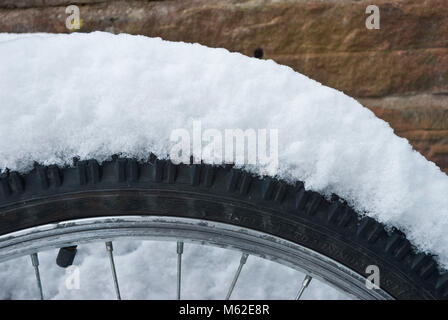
{"x":94,"y":95}
{"x":147,"y":270}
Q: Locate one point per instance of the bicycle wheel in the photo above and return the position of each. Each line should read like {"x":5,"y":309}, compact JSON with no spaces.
{"x":216,"y":204}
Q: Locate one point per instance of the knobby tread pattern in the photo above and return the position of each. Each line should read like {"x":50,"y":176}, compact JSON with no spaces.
{"x":289,"y":202}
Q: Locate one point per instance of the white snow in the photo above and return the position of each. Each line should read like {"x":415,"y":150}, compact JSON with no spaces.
{"x":147,"y":270}
{"x":93,"y":95}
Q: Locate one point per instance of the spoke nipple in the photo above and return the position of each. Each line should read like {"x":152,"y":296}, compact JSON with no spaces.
{"x":244,"y":258}
{"x":306,"y":281}
{"x":180,"y":247}
{"x":305,"y":284}
{"x":34,"y":260}
{"x":109,"y":246}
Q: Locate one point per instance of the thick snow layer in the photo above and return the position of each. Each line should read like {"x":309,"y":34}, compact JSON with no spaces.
{"x":93,"y":95}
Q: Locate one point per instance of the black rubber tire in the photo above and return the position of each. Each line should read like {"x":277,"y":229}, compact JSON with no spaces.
{"x":123,"y":186}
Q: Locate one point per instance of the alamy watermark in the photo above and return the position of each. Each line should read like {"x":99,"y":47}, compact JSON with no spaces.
{"x":373,"y":20}
{"x":229,"y":146}
{"x":73,"y":21}
{"x":72,"y":278}
{"x":373,"y":280}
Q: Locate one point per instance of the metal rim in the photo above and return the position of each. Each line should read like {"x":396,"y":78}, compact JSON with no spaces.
{"x":68,"y":233}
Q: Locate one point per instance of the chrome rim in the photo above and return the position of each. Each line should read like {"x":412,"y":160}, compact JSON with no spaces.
{"x":249,"y":242}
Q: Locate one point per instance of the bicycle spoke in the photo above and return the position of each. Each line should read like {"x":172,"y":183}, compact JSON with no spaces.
{"x":237,"y":274}
{"x":180,"y":250}
{"x":110,"y":250}
{"x":305,"y":284}
{"x":35,"y":263}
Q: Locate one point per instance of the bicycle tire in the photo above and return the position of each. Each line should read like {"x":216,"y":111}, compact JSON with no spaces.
{"x":125,"y":186}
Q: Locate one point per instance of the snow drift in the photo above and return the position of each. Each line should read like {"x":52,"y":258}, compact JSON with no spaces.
{"x":94,"y":95}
